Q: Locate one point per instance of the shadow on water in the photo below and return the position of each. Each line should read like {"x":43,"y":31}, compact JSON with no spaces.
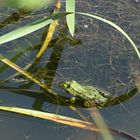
{"x":43,"y":96}
{"x":45,"y":73}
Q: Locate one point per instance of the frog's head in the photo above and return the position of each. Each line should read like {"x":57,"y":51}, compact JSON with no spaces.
{"x":70,"y":86}
{"x":67,"y":85}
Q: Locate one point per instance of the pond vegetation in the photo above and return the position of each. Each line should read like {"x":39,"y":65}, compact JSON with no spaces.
{"x":53,"y":43}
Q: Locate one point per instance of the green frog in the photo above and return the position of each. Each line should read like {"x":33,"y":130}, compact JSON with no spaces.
{"x":93,"y":96}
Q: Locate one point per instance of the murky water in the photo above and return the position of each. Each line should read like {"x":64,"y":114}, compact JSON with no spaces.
{"x":100,"y":56}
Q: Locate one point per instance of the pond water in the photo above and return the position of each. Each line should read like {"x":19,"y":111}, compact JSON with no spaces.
{"x":97,"y":55}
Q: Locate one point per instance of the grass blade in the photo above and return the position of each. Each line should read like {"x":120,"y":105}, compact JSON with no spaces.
{"x":30,"y":28}
{"x":70,"y":7}
{"x":116,"y":27}
{"x":64,"y":120}
{"x":23,"y":31}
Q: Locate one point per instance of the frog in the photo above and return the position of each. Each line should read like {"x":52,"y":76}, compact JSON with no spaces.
{"x":92,"y":95}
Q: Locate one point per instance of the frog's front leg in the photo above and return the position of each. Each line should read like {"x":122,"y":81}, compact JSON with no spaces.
{"x":86,"y":103}
{"x":73,"y":99}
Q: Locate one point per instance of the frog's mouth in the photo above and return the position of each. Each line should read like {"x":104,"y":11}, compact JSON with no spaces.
{"x":64,"y":85}
{"x":61,"y":84}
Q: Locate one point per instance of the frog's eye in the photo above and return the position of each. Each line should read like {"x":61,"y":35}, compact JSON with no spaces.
{"x":68,"y":86}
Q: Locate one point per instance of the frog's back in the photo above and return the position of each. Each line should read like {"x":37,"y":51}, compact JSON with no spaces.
{"x":95,"y":89}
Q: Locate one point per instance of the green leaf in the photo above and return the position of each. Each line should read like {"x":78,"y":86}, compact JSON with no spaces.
{"x":70,"y":7}
{"x":23,"y":31}
{"x":29,"y":28}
